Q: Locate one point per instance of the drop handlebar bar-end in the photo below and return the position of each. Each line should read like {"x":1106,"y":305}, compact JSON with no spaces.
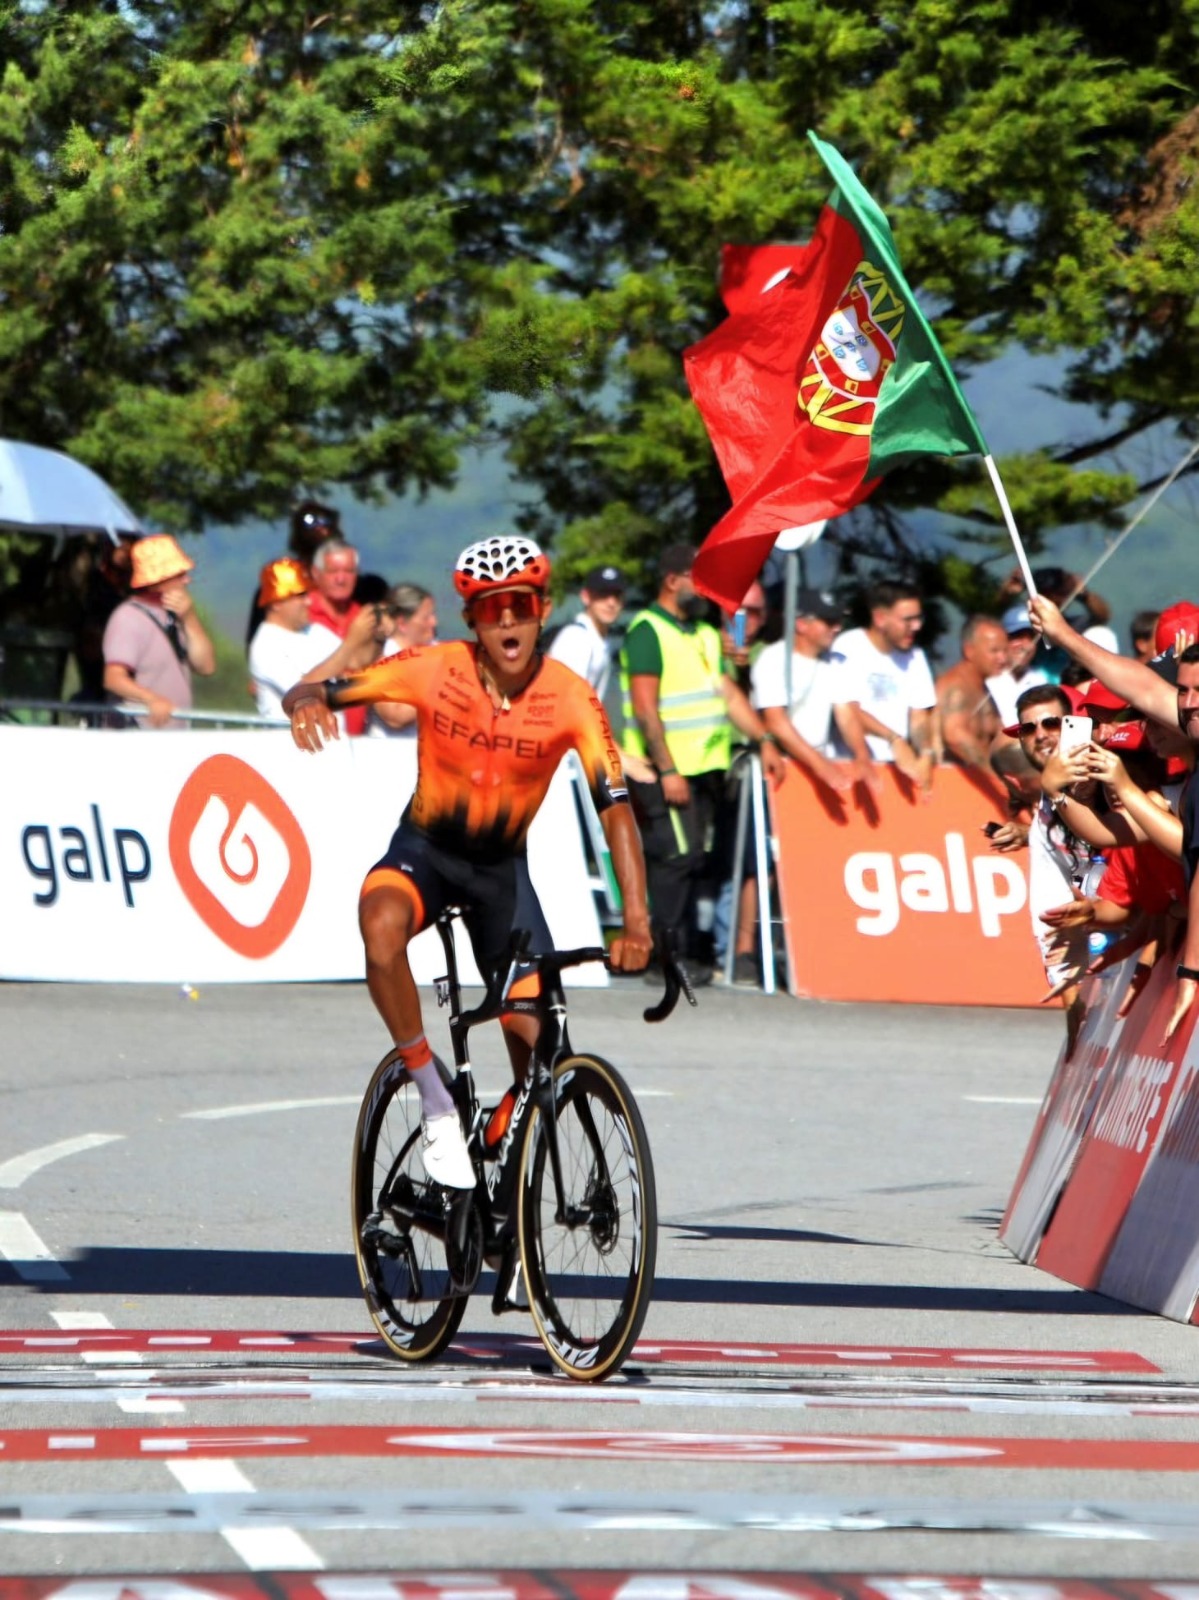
{"x":675,"y":979}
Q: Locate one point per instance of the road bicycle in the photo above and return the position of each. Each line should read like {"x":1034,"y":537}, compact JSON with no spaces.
{"x":563,"y":1207}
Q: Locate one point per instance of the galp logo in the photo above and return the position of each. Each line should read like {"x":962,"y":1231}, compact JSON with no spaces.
{"x":240,"y":856}
{"x":990,"y":887}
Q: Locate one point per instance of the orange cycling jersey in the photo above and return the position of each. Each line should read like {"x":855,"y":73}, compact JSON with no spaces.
{"x":482,"y":773}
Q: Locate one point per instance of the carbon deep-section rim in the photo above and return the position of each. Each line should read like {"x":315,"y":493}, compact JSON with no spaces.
{"x":590,"y":1283}
{"x":388,"y":1179}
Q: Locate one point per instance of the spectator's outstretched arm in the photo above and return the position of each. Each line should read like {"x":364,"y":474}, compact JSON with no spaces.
{"x":357,"y":650}
{"x":847,"y":715}
{"x":915,"y":767}
{"x":833,"y":774}
{"x":1137,"y":683}
{"x":1146,"y":811}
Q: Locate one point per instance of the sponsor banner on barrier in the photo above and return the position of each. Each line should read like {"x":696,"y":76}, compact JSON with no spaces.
{"x":1125,"y":1122}
{"x":1108,"y":1195}
{"x":903,"y":900}
{"x":223,"y":857}
{"x":1065,"y":1113}
{"x":1155,"y":1259}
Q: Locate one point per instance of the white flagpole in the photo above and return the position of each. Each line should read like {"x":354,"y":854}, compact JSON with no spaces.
{"x":1084,"y":581}
{"x":1013,"y":533}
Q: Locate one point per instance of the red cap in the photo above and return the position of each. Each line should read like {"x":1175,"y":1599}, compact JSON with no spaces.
{"x":1124,"y":738}
{"x":1183,"y":615}
{"x":1102,"y":698}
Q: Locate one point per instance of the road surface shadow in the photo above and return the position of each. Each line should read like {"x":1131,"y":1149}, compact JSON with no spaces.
{"x":287,"y":1274}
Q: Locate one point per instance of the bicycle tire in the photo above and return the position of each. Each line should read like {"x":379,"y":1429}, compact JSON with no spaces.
{"x":589,"y":1286}
{"x":387,"y":1158}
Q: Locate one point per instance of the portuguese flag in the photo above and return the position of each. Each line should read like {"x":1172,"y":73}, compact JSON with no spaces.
{"x":823,"y":377}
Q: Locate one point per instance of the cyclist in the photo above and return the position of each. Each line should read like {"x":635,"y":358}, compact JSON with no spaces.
{"x":494,"y":719}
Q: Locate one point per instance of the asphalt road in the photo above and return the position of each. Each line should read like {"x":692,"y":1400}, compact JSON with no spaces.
{"x":870,"y":1383}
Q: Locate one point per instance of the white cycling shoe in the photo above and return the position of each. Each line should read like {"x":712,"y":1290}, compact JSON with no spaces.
{"x":443,"y":1151}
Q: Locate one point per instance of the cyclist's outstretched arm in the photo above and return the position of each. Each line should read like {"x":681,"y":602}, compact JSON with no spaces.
{"x":631,"y":949}
{"x":312,"y":722}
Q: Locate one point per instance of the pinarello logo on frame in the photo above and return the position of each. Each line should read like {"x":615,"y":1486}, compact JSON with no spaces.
{"x":240,"y":856}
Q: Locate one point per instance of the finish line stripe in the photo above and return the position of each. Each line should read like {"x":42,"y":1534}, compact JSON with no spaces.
{"x":1098,"y":1522}
{"x":493,"y":1348}
{"x":583,"y":1585}
{"x":168,"y":1443}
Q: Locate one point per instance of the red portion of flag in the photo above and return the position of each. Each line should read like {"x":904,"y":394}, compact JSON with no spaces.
{"x":782,"y":468}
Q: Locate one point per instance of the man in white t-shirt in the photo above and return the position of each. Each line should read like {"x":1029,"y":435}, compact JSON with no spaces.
{"x":583,"y":644}
{"x":888,"y":677}
{"x":802,"y":724}
{"x":1007,"y":686}
{"x":285,"y":649}
{"x":411,"y":615}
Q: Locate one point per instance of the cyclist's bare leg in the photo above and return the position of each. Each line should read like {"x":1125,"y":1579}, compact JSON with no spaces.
{"x":387,"y":920}
{"x":388,"y":917}
{"x":520,"y":1035}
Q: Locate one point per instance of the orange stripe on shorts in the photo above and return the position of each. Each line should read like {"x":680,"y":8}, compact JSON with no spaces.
{"x":389,"y":878}
{"x":526,"y":988}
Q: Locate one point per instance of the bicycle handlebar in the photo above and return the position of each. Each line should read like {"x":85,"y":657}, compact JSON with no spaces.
{"x":555,"y":962}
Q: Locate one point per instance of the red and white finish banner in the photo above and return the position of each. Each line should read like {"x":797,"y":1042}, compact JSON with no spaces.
{"x":1108,"y":1194}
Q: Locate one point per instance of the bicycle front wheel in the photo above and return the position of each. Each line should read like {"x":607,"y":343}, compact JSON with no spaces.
{"x":590,"y":1273}
{"x":399,"y":1222}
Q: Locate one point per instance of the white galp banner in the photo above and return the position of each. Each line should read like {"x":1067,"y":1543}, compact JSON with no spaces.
{"x":177,"y":857}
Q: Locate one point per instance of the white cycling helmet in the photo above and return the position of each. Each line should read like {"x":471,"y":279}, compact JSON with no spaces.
{"x":501,"y":562}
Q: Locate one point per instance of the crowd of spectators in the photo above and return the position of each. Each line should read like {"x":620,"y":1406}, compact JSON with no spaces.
{"x":691,"y":693}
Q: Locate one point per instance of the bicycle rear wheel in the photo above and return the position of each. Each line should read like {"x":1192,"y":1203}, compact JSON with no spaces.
{"x":589,"y":1277}
{"x":399,"y":1222}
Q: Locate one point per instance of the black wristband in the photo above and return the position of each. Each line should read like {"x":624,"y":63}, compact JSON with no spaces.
{"x":1187,"y":972}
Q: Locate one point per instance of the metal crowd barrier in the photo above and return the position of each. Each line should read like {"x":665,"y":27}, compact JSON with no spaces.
{"x":84,"y":710}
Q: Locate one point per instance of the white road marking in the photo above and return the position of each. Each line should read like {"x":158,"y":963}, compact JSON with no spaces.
{"x":30,"y":1257}
{"x":80,"y":1321}
{"x":262,"y":1549}
{"x":1004,"y":1099}
{"x":262,"y":1107}
{"x":14,"y":1171}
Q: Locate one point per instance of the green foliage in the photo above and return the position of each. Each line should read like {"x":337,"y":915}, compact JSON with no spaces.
{"x":246,"y":251}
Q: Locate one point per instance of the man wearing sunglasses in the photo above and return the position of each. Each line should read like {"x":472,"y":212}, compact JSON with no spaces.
{"x":494,"y":719}
{"x":1059,"y":862}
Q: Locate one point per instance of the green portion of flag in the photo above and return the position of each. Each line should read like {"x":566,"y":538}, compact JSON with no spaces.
{"x":921,"y":409}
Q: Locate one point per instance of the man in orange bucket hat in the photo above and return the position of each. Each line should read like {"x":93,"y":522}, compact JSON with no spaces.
{"x":154,"y":641}
{"x":285,"y":649}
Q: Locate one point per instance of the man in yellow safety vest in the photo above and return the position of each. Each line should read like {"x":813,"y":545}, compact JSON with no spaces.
{"x":680,"y":708}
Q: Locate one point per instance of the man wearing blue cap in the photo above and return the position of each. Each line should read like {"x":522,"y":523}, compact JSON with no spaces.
{"x":1006,"y":687}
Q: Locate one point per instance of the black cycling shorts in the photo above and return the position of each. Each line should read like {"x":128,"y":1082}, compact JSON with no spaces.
{"x":496,"y":897}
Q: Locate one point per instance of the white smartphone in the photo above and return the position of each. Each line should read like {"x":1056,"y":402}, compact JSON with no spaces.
{"x":1076,"y":733}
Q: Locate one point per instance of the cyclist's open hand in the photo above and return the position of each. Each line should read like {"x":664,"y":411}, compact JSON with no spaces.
{"x":313,"y":724}
{"x":631,"y":949}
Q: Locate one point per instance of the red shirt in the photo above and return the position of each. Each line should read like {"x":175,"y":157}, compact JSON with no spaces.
{"x":1144,"y":877}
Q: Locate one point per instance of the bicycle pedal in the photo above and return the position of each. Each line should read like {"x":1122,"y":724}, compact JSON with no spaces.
{"x":379,"y":1231}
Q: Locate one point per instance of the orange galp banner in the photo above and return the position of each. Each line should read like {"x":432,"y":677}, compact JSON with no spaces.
{"x":903,"y":899}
